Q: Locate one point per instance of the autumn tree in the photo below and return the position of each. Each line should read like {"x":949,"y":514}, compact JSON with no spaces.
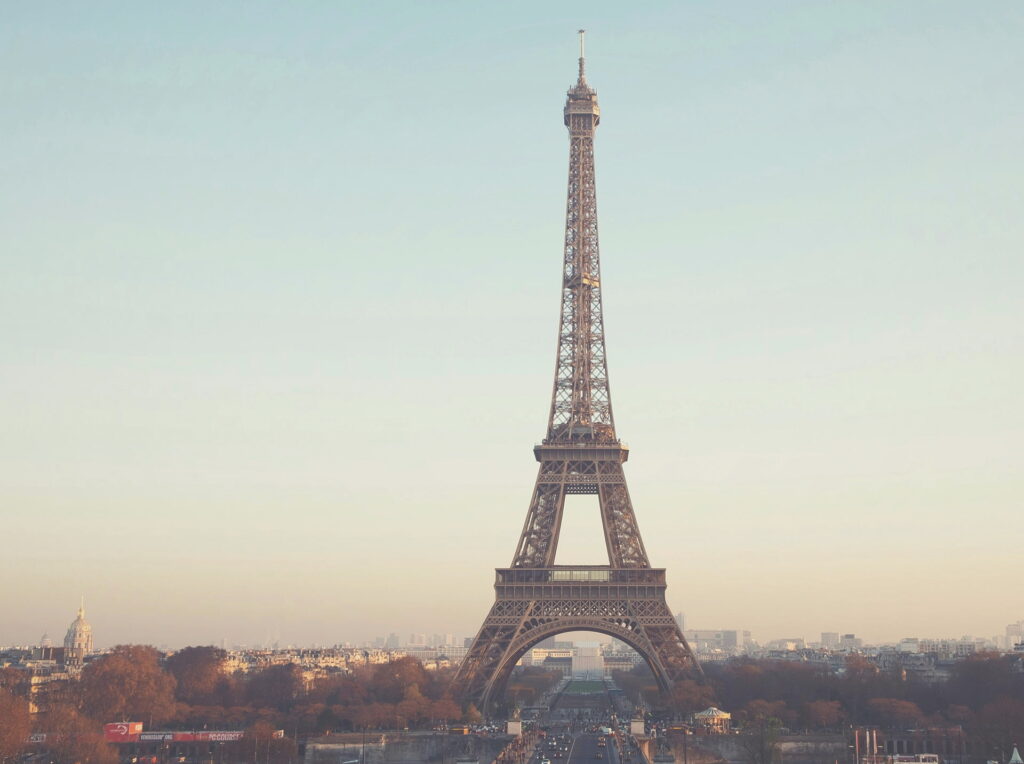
{"x":823,"y":714}
{"x":338,"y":690}
{"x":128,"y":683}
{"x":15,"y":725}
{"x":413,"y":707}
{"x":893,"y":713}
{"x":636,"y":682}
{"x":472,"y":715}
{"x":275,"y":687}
{"x":445,"y":710}
{"x":373,"y":715}
{"x":760,"y":710}
{"x":199,"y":673}
{"x":689,"y":696}
{"x":259,"y":744}
{"x":12,"y":679}
{"x":999,"y":725}
{"x":72,"y":737}
{"x":760,"y":741}
{"x":982,"y":678}
{"x":529,"y":683}
{"x":390,"y":680}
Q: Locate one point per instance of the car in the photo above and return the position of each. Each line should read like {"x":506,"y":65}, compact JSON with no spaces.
{"x":545,"y":761}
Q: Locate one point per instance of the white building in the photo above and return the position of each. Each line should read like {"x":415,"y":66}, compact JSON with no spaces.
{"x":78,"y":641}
{"x":588,"y":661}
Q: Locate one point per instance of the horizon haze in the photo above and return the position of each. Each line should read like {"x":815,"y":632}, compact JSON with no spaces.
{"x":280,"y":289}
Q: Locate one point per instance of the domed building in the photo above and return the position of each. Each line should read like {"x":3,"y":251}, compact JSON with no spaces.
{"x":78,"y":642}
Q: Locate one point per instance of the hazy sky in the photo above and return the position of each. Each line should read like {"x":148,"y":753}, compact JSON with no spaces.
{"x":279,"y":290}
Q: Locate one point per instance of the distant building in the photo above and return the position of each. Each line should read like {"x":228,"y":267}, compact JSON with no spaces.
{"x":587,"y":661}
{"x":948,"y":649}
{"x":850,"y":642}
{"x":620,"y":661}
{"x":78,"y":641}
{"x":1014,"y":635}
{"x":727,"y":641}
{"x":791,"y":644}
{"x":558,"y":663}
{"x":830,"y":640}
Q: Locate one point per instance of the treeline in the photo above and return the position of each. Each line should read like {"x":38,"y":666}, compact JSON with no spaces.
{"x":984,"y":695}
{"x":189,"y":689}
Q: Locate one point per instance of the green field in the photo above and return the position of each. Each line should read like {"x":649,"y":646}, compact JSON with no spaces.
{"x":583,"y":687}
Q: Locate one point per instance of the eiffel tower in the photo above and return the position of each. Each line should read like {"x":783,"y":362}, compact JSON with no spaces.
{"x":581,"y":454}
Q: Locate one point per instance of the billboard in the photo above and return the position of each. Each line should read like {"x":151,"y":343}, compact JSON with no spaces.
{"x":121,"y":732}
{"x":131,"y":732}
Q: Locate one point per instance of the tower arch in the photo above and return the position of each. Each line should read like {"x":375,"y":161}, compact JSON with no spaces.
{"x":626,"y":633}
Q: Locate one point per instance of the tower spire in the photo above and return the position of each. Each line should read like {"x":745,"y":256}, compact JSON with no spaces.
{"x":582,"y":78}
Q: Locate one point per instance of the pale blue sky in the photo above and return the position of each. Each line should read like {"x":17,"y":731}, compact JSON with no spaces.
{"x":279,"y":284}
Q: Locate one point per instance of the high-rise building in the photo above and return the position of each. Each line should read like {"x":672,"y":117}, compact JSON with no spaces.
{"x":850,"y":642}
{"x":1014,"y":634}
{"x":711,"y":640}
{"x":830,"y":640}
{"x":681,"y":621}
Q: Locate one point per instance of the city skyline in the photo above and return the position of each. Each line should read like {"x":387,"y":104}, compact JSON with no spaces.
{"x":416,"y":636}
{"x":259,"y":378}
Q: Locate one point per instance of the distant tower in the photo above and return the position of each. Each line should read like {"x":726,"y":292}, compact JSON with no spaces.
{"x":78,"y":642}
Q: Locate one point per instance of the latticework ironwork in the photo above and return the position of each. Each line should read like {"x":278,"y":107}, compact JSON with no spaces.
{"x":581,"y":454}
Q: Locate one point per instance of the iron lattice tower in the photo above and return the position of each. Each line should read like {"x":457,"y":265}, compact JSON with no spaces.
{"x":581,"y":454}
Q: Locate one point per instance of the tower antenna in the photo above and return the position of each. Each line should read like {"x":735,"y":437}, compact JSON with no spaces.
{"x":582,"y":33}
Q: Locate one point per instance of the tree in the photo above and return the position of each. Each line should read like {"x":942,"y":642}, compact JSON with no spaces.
{"x":12,"y":679}
{"x":472,"y":715}
{"x":894,"y":713}
{"x":823,"y":714}
{"x":445,"y":710}
{"x":760,"y":710}
{"x":338,"y":690}
{"x":15,"y":725}
{"x":259,"y":744}
{"x":275,"y":687}
{"x":689,"y":696}
{"x":72,"y":737}
{"x":999,"y":725}
{"x":414,"y":708}
{"x":128,"y":684}
{"x":982,"y":678}
{"x":199,"y":673}
{"x":760,"y":741}
{"x":390,"y":680}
